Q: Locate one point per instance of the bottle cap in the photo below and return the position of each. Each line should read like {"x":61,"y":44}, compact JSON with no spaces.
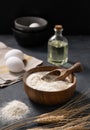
{"x":58,"y":27}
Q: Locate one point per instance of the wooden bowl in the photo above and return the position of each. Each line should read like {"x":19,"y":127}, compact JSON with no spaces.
{"x":48,"y":98}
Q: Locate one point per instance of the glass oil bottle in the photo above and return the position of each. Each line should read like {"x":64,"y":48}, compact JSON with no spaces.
{"x":57,"y":47}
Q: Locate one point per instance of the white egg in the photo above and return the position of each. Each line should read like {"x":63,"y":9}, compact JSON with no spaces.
{"x":15,"y":64}
{"x":34,"y":25}
{"x":14,"y":52}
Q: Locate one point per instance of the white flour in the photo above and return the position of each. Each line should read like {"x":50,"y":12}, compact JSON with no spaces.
{"x":34,"y":80}
{"x":13,"y":110}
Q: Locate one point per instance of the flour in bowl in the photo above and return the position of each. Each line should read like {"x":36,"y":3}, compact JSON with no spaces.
{"x":35,"y":81}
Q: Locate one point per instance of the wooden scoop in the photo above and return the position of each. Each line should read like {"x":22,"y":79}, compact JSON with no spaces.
{"x":59,"y":74}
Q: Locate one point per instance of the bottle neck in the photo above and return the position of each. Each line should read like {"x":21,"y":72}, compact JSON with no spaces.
{"x":58,"y":33}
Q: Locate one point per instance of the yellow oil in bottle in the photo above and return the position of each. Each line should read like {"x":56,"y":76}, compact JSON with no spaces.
{"x":57,"y":48}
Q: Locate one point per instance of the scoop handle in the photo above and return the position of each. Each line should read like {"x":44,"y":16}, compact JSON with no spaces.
{"x":77,"y":67}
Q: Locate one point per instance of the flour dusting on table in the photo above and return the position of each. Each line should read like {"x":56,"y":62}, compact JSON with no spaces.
{"x":14,"y":110}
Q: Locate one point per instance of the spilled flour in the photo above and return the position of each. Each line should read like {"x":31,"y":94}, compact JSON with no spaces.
{"x":14,"y":110}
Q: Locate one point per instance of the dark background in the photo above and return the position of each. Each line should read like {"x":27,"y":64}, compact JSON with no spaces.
{"x":74,"y":15}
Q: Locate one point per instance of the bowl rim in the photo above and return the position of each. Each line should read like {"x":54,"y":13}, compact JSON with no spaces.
{"x":22,"y":27}
{"x":30,"y":71}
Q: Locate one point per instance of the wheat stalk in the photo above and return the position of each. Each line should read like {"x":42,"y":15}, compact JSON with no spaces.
{"x":74,"y":124}
{"x":74,"y":115}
